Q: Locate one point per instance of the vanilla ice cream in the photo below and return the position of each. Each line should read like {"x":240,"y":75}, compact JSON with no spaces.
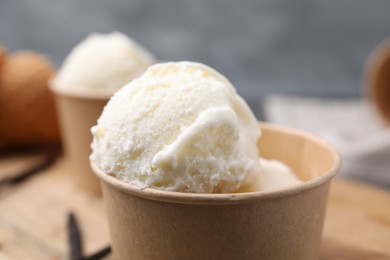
{"x":103,"y":62}
{"x":274,"y":175}
{"x":181,"y":126}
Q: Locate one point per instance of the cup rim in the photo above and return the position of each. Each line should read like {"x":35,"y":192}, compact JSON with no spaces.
{"x":96,"y":94}
{"x":227,"y":198}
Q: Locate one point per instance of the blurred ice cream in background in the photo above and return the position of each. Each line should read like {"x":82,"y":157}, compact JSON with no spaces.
{"x":95,"y":68}
{"x":103,"y":62}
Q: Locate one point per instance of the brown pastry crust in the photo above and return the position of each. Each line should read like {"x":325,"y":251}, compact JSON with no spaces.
{"x":27,"y":111}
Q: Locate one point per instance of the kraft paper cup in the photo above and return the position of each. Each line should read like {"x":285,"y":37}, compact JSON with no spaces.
{"x":284,"y":224}
{"x":77,"y":113}
{"x":377,"y":78}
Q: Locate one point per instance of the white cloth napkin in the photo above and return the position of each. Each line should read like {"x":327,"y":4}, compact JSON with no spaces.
{"x":351,"y":125}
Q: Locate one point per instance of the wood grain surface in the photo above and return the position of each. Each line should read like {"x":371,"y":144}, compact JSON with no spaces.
{"x":33,"y":217}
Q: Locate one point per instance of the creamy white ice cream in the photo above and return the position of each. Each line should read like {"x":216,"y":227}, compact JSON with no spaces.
{"x":103,"y":62}
{"x":275,"y":175}
{"x":180,"y":126}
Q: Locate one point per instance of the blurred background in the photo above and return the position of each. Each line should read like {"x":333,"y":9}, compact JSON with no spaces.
{"x":302,"y":47}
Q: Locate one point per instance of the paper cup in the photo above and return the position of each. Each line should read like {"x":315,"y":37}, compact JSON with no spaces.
{"x":377,"y":78}
{"x":77,"y":113}
{"x":284,"y":224}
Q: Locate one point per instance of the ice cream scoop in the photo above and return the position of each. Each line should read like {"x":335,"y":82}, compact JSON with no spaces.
{"x":275,"y":175}
{"x":103,"y":62}
{"x":181,"y":126}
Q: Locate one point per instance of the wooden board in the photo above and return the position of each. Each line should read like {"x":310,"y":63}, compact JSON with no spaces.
{"x":357,"y":223}
{"x":33,"y":217}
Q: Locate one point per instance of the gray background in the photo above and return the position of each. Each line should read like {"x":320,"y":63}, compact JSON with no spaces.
{"x":302,"y":47}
